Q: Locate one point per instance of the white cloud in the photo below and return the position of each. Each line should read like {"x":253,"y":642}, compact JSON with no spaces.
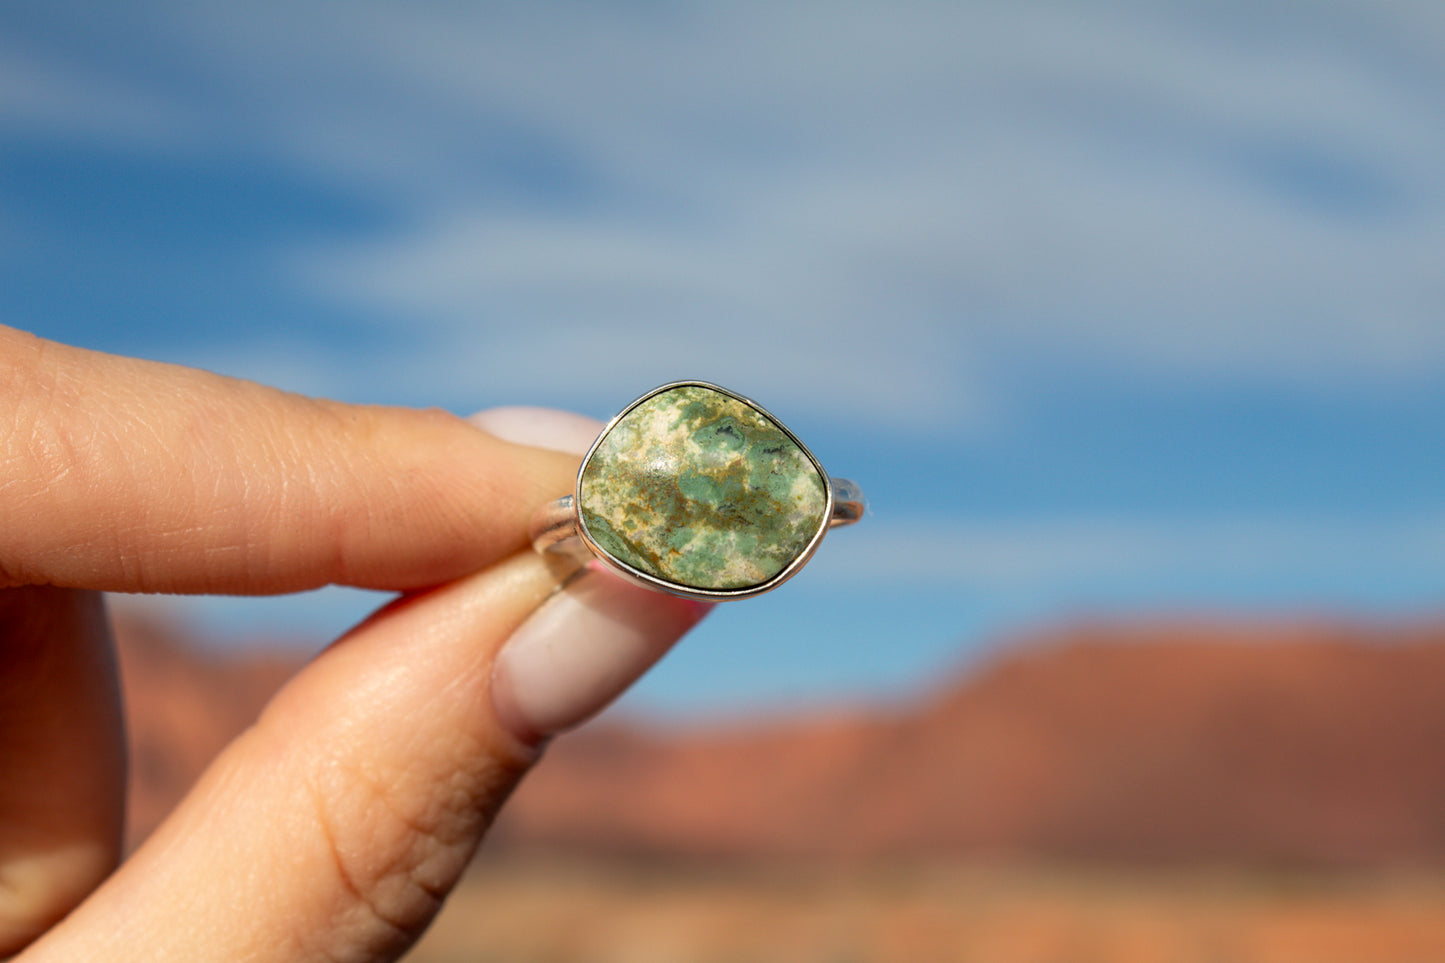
{"x":59,"y":98}
{"x":602,"y":306}
{"x":1083,"y":181}
{"x":1063,"y":555}
{"x":869,"y":203}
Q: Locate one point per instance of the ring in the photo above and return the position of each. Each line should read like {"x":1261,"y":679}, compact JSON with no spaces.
{"x":697,"y":491}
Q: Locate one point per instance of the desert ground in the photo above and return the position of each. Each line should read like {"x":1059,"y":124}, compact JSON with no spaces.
{"x":540,"y":912}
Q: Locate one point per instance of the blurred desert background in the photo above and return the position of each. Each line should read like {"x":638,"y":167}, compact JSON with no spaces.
{"x":1189,"y":791}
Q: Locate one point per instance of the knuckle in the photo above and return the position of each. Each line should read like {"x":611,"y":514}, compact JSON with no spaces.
{"x":383,"y":855}
{"x":49,"y":440}
{"x":38,"y":447}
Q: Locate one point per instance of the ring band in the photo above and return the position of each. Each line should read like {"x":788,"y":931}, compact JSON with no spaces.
{"x":700,"y":492}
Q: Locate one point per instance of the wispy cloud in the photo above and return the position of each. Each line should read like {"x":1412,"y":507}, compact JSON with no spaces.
{"x":865,"y":208}
{"x":1160,"y":197}
{"x":1204,"y":560}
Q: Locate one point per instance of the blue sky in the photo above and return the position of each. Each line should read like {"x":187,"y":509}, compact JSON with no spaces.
{"x":1113,"y":308}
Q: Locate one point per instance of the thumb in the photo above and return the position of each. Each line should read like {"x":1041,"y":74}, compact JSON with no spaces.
{"x":335,"y":827}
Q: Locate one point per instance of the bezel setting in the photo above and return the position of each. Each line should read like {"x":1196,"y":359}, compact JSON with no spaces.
{"x":657,"y":582}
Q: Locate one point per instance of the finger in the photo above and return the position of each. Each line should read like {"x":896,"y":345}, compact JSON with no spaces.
{"x":128,"y":475}
{"x":62,"y":755}
{"x":333,"y":829}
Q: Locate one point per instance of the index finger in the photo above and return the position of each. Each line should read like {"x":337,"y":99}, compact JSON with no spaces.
{"x":135,"y":476}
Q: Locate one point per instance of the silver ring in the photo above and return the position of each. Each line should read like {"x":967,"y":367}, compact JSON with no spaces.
{"x":697,"y":491}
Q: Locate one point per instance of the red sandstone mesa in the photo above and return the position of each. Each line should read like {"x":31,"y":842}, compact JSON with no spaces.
{"x":1302,"y":744}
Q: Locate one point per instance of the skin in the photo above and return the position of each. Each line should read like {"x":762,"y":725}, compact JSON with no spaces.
{"x":333,"y":828}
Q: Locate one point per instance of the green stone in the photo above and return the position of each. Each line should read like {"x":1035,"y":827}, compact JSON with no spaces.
{"x":703,"y":490}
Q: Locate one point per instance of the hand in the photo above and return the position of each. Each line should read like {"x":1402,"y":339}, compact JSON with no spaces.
{"x":334,"y":827}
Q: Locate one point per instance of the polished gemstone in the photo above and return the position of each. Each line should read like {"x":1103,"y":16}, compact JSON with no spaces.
{"x":703,"y":490}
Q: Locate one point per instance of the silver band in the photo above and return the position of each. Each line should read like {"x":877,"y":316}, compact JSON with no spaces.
{"x":554,"y":526}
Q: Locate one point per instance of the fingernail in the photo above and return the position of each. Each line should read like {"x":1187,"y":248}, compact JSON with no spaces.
{"x":540,"y":427}
{"x":581,"y":650}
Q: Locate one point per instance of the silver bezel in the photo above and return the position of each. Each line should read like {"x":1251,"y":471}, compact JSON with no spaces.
{"x":651,"y":581}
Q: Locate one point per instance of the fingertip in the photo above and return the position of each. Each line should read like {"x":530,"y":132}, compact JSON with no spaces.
{"x":589,"y":642}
